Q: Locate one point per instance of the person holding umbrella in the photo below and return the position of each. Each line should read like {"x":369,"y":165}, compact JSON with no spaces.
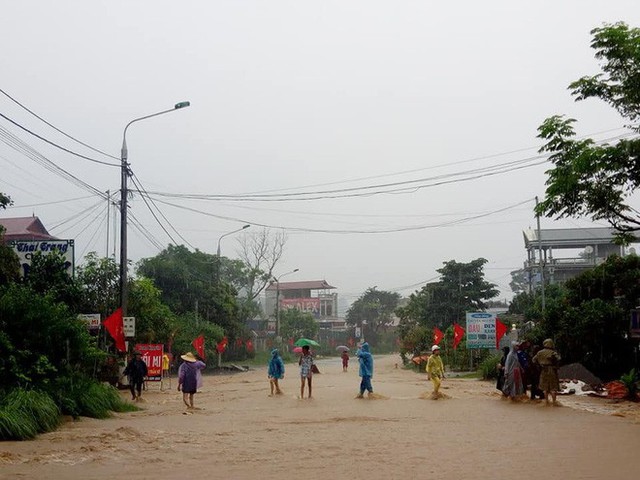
{"x":366,"y":369}
{"x":344,"y":355}
{"x":345,"y":360}
{"x":306,"y":369}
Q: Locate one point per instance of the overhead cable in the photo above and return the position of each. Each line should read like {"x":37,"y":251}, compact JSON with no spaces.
{"x":40,"y":137}
{"x":56,"y":128}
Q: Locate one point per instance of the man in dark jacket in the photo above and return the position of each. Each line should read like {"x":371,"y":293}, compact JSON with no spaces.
{"x":136,"y":371}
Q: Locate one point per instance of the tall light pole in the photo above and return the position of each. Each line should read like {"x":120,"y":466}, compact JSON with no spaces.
{"x":218,"y":251}
{"x":124,"y":175}
{"x":278,"y":299}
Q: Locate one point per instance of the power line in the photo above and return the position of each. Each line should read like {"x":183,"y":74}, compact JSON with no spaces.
{"x":56,"y":128}
{"x":50,"y":203}
{"x":22,"y":147}
{"x":475,"y":159}
{"x":314,"y":230}
{"x":144,"y":196}
{"x":56,"y":145}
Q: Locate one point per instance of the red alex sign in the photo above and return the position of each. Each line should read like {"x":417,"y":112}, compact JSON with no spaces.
{"x":152,"y":355}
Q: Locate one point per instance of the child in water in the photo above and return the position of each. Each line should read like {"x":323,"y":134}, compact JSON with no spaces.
{"x":276,"y":371}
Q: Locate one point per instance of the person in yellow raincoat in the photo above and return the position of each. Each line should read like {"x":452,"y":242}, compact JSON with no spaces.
{"x":435,"y":370}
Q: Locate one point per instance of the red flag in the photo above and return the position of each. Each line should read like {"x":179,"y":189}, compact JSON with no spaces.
{"x":222,"y":345}
{"x":501,"y":330}
{"x":437,"y":335}
{"x":458,"y":333}
{"x":114,"y":325}
{"x":198,"y":344}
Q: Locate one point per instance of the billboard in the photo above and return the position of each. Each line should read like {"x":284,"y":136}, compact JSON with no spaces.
{"x":481,"y":330}
{"x":91,"y":319}
{"x":25,"y":249}
{"x":311,"y":305}
{"x":152,"y":355}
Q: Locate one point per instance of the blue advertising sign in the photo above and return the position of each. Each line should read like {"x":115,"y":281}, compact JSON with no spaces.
{"x":481,"y":330}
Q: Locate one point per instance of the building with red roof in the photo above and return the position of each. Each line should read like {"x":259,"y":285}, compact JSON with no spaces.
{"x":24,"y":228}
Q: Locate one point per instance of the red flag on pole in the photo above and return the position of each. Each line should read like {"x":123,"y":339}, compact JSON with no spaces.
{"x":458,"y":333}
{"x":198,"y":344}
{"x":437,"y":335}
{"x":501,"y":330}
{"x":114,"y":325}
{"x":221,"y":346}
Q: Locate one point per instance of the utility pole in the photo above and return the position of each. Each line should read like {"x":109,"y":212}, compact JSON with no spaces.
{"x":124,"y":195}
{"x":540,"y":262}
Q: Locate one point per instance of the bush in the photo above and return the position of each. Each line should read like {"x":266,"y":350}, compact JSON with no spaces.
{"x":81,"y":396}
{"x":488,"y":367}
{"x":630,"y":381}
{"x":25,"y":413}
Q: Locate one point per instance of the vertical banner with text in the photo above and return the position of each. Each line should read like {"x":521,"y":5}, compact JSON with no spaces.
{"x":152,"y":355}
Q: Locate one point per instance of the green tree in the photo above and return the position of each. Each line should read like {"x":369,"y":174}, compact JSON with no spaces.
{"x":153,"y":318}
{"x":590,"y":179}
{"x":297,"y":324}
{"x":374,"y":311}
{"x":40,"y":338}
{"x":588,"y":317}
{"x":5,"y":201}
{"x":99,"y":281}
{"x":189,"y":285}
{"x":461,"y":288}
{"x":9,"y":262}
{"x":48,"y":275}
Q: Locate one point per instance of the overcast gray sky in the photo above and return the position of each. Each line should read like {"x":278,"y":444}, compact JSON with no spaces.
{"x":299,"y":96}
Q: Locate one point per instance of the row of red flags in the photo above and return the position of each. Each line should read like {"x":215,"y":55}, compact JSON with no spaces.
{"x":458,"y":334}
{"x":114,"y":324}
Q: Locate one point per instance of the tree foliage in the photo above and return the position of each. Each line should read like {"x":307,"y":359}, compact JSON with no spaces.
{"x":48,"y":275}
{"x":590,"y":179}
{"x":374,"y":311}
{"x":40,"y":338}
{"x":589,"y":316}
{"x":189,"y":284}
{"x":99,"y":280}
{"x":461,"y":288}
{"x":297,"y":324}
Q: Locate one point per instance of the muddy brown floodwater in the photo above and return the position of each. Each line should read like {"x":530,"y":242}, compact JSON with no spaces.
{"x":240,"y":432}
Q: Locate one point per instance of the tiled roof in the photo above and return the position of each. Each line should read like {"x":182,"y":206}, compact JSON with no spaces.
{"x":308,"y":285}
{"x":24,"y":228}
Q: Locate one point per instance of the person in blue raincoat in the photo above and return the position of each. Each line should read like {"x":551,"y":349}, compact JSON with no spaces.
{"x":276,"y":371}
{"x":366,"y":369}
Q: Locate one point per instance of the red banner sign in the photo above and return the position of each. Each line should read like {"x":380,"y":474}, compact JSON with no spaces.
{"x":152,"y":355}
{"x":311,"y":305}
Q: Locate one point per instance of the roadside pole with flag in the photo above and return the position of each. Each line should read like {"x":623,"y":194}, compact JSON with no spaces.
{"x":115,"y":326}
{"x":437,"y":335}
{"x":221,"y":346}
{"x":198,"y":344}
{"x":501,"y":331}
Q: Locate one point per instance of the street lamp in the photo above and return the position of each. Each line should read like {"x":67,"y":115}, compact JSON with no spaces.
{"x":278,"y":299}
{"x":227,"y":234}
{"x":124,"y":175}
{"x":218,"y":251}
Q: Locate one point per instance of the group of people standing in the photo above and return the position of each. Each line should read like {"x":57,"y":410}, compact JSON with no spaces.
{"x":525,"y":367}
{"x":275,"y":371}
{"x":189,"y":376}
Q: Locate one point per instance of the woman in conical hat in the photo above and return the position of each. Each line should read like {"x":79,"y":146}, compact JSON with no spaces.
{"x":188,"y":377}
